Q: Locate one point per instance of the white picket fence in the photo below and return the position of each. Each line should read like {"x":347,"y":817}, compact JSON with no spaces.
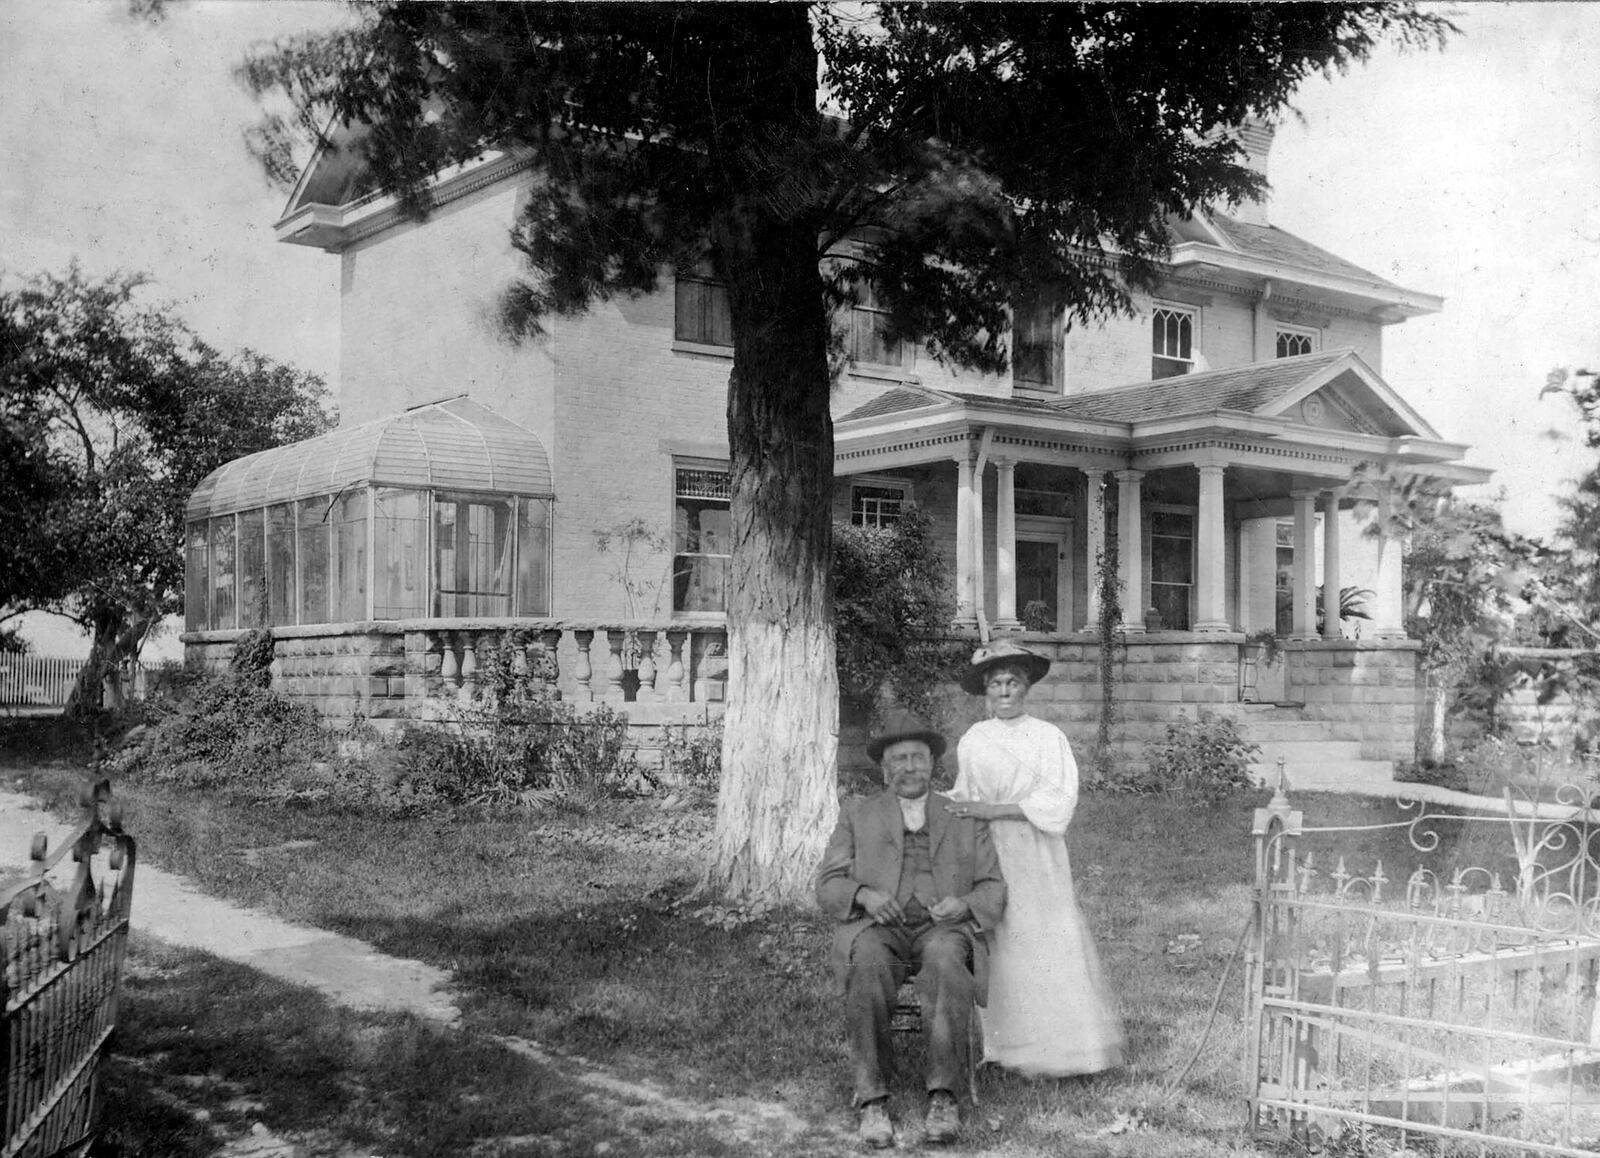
{"x":47,"y":680}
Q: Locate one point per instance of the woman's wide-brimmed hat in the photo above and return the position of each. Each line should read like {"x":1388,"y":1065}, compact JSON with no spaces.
{"x":998,"y":652}
{"x":904,"y":725}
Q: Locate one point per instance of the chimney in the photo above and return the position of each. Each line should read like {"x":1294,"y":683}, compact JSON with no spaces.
{"x":1256,"y":137}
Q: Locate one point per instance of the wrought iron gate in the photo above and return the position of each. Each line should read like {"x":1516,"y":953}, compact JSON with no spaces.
{"x":1457,"y":1009}
{"x":62,"y":951}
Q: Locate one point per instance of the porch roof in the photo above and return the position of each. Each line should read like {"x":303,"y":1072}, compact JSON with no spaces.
{"x":455,"y":444}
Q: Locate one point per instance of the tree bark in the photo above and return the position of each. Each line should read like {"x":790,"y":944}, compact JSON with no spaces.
{"x":779,"y":798}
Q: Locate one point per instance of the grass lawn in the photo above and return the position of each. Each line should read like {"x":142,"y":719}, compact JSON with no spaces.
{"x":574,"y":930}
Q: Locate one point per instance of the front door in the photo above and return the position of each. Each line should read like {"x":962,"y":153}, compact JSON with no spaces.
{"x":1044,"y":593}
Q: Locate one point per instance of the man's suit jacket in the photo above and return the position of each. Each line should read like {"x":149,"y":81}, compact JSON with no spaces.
{"x":866,"y":849}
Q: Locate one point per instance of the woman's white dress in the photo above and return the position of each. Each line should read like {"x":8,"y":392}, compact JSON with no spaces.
{"x":1049,"y":1013}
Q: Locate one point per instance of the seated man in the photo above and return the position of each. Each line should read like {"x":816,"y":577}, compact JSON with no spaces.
{"x":915,"y":889}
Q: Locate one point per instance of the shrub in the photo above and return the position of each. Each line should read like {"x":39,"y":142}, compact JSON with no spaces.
{"x":515,"y":743}
{"x":227,"y":730}
{"x":693,"y":753}
{"x":252,"y":657}
{"x":1201,"y":759}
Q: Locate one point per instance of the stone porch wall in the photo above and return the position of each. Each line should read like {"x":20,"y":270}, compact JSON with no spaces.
{"x":1364,"y":690}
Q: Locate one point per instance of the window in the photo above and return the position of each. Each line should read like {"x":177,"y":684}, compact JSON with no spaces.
{"x":280,"y":564}
{"x":868,"y":339}
{"x":473,"y":555}
{"x":702,"y":534}
{"x":1171,"y":342}
{"x":349,"y":518}
{"x":1036,"y":356}
{"x":1293,"y":341}
{"x":224,"y":589}
{"x":701,"y":313}
{"x":313,"y":548}
{"x":1171,"y":567}
{"x":533,"y":556}
{"x":1284,"y":580}
{"x":876,"y":506}
{"x":399,"y":549}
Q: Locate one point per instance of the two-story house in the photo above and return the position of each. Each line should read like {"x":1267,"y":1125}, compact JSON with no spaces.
{"x":1226,"y":439}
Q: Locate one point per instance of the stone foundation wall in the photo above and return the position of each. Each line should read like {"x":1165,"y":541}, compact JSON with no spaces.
{"x":1364,"y":690}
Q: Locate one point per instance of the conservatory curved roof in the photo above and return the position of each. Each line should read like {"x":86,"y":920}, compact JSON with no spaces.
{"x":456,"y":444}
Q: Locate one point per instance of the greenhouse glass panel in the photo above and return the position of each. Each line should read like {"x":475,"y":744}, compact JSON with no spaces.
{"x":252,"y":569}
{"x":533,"y":557}
{"x":196,"y":578}
{"x":224,"y":577}
{"x":315,"y":535}
{"x":473,"y":555}
{"x":398,"y":552}
{"x":280,"y":565}
{"x":350,"y":557}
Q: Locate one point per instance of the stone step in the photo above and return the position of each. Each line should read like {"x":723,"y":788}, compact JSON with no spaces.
{"x":1303,"y":751}
{"x":1287,"y":731}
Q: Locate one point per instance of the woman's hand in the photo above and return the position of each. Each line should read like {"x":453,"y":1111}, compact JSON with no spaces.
{"x":976,"y":809}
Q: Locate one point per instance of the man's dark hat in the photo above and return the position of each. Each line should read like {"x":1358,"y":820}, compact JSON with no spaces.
{"x":998,"y":652}
{"x":903,"y":725}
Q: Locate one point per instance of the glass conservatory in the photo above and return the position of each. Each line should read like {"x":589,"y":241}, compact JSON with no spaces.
{"x":441,"y":511}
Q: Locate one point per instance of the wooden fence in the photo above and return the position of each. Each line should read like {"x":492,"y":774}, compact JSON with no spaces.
{"x":47,"y":680}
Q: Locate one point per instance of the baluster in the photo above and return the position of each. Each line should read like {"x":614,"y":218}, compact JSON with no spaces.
{"x":612,"y":693}
{"x":469,"y":665}
{"x":583,"y":670}
{"x":449,"y":670}
{"x":519,"y":658}
{"x":677,"y":685}
{"x":551,"y":638}
{"x":647,"y":667}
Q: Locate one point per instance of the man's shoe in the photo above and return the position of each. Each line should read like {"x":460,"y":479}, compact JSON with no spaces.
{"x":944,"y":1117}
{"x":876,"y":1129}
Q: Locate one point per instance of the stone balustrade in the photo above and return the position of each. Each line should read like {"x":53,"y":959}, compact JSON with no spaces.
{"x":392,"y":670}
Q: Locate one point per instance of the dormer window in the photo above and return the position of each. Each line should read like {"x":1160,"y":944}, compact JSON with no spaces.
{"x":701,"y":316}
{"x":1294,"y":341}
{"x":1172,"y":331}
{"x":1036,"y":354}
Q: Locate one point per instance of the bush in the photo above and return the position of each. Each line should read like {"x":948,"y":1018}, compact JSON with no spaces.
{"x":514,"y":743}
{"x":693,"y":753}
{"x":227,"y":730}
{"x":1202,"y":759}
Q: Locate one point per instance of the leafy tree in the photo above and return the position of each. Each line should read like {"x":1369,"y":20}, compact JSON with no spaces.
{"x":111,"y":411}
{"x":945,"y":159}
{"x":1568,"y":590}
{"x":1462,"y":573}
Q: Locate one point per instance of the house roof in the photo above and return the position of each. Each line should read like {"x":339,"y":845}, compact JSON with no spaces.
{"x":456,"y":444}
{"x":1279,"y":245}
{"x":1250,"y":388}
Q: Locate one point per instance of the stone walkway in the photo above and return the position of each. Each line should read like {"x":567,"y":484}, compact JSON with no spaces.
{"x":170,"y":908}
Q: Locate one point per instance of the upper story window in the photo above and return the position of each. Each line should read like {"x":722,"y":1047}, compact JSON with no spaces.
{"x":702,"y":536}
{"x":1172,"y":331}
{"x":867,"y":340}
{"x":700,"y":311}
{"x":1294,"y":341}
{"x":876,"y":506}
{"x":1036,"y":354}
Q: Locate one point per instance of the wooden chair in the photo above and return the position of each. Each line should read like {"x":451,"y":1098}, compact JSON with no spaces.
{"x":906,"y":1018}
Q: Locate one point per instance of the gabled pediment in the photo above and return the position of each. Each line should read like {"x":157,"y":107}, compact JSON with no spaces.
{"x":1347,"y":394}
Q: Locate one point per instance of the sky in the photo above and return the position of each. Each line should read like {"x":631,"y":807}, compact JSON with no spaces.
{"x":1469,"y":173}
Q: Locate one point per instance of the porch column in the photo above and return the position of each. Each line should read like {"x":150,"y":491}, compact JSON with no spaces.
{"x":1005,"y":547}
{"x":1130,"y":543}
{"x":1211,"y":538}
{"x":1305,"y":572}
{"x":1388,"y":617}
{"x":1094,"y":505}
{"x":966,"y":616}
{"x":1331,"y":627}
{"x":980,"y":597}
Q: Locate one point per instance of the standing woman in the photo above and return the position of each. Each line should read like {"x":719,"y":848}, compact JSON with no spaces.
{"x":1049,"y":1012}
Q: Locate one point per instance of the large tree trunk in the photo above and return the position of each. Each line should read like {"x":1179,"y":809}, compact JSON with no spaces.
{"x":778,"y":798}
{"x":1431,"y":745}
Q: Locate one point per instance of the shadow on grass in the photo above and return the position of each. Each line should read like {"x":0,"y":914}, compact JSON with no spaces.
{"x":204,"y":1049}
